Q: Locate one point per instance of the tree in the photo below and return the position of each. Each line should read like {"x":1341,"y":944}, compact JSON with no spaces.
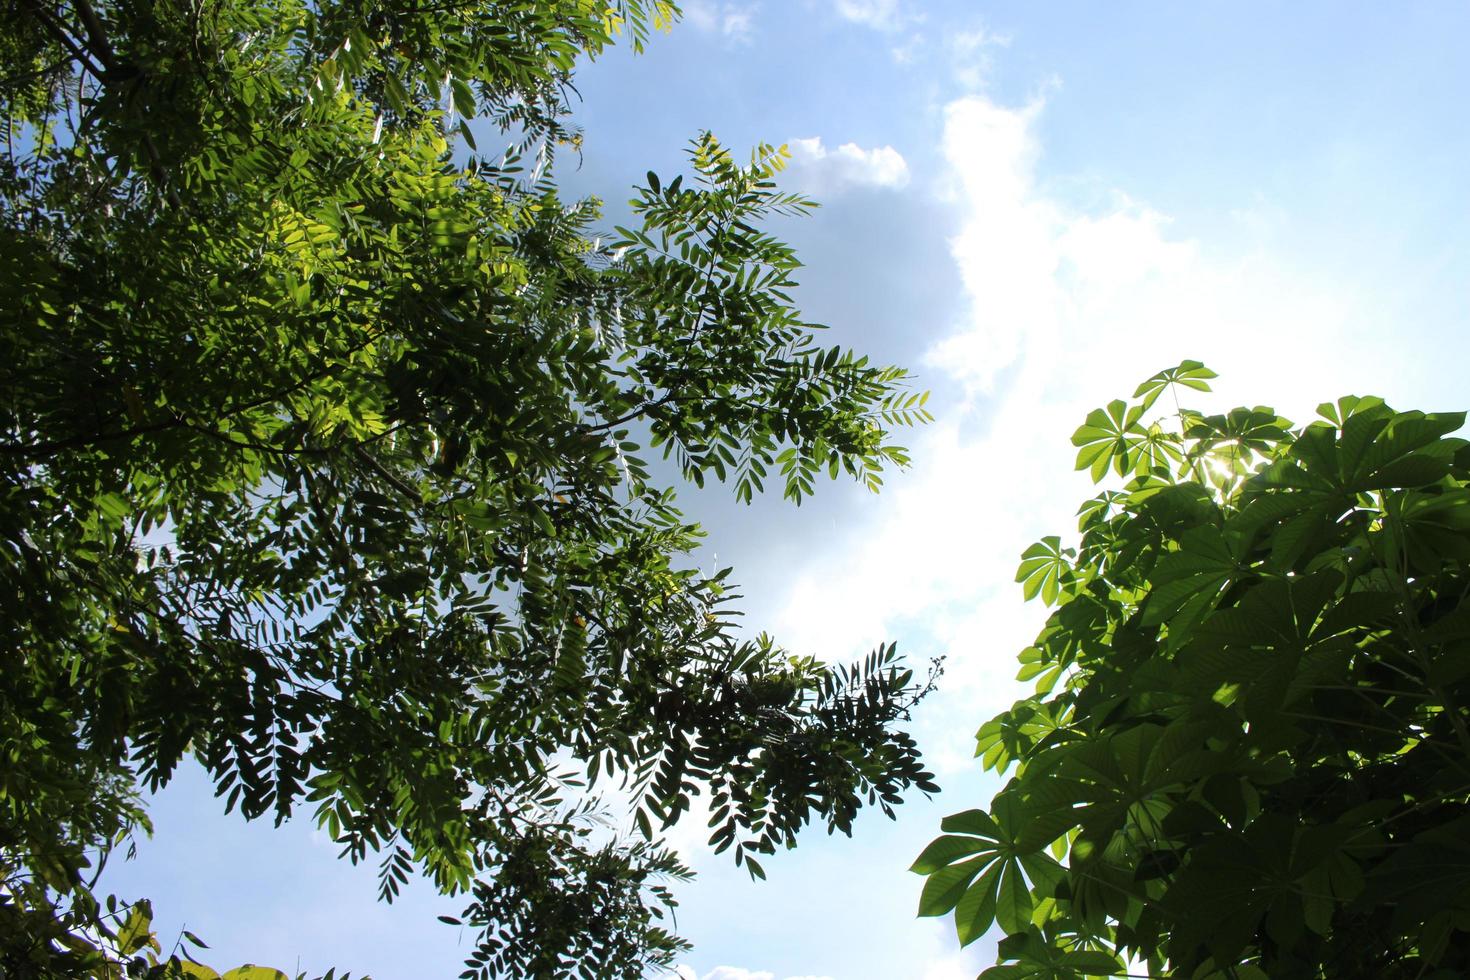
{"x":321,"y":441}
{"x":1248,"y":754}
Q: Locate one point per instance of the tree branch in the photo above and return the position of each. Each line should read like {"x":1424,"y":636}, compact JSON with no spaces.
{"x":96,"y":33}
{"x":372,"y":463}
{"x":39,"y":450}
{"x":60,"y":33}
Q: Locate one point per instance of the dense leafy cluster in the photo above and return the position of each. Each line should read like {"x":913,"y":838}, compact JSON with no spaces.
{"x":319,"y":462}
{"x":1248,"y":754}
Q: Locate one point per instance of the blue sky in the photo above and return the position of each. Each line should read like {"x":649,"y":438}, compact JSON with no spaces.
{"x":1035,"y":206}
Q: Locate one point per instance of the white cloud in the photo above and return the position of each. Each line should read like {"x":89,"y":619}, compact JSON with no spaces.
{"x":970,"y":55}
{"x":954,"y":966}
{"x":729,"y":18}
{"x":735,"y":973}
{"x":971,"y":41}
{"x":906,"y":52}
{"x":882,"y":15}
{"x":1067,"y":310}
{"x":815,"y":169}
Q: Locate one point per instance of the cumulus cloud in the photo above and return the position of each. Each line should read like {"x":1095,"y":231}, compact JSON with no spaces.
{"x":908,"y":50}
{"x":970,"y":55}
{"x":817,"y":170}
{"x":1067,"y":309}
{"x":735,"y":973}
{"x":977,"y":39}
{"x":882,"y":15}
{"x":733,"y":20}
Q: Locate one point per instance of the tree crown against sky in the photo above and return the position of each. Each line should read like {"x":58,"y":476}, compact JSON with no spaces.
{"x":1249,"y":741}
{"x":321,"y":464}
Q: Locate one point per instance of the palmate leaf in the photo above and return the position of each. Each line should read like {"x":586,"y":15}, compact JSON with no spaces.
{"x":1098,"y":509}
{"x":1229,"y":445}
{"x":1378,"y":449}
{"x":1158,"y":451}
{"x":1257,"y":429}
{"x":1347,"y":406}
{"x":1000,"y":884}
{"x":1432,"y":527}
{"x":942,"y":851}
{"x":1036,"y":958}
{"x":1045,"y":568}
{"x":1111,"y":436}
{"x":1013,"y":901}
{"x":1186,"y":374}
{"x":1188,"y":582}
{"x":1012,"y":735}
{"x":1256,"y":764}
{"x":946,"y":886}
{"x":976,"y":911}
{"x":1054,"y":806}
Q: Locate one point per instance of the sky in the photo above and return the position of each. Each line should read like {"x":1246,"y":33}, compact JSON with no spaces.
{"x":1034,"y":207}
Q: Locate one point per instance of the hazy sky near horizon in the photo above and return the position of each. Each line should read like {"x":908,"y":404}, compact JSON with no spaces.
{"x":1034,"y":206}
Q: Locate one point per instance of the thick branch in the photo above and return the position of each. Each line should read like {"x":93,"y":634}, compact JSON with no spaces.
{"x":58,"y":31}
{"x":96,"y":33}
{"x":372,"y":463}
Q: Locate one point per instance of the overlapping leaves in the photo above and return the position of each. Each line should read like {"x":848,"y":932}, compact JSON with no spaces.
{"x":1249,"y":734}
{"x":322,"y":464}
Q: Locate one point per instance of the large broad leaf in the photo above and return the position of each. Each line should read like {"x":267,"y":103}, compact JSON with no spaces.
{"x":1051,"y":805}
{"x":947,"y":886}
{"x":1045,"y":568}
{"x":1233,"y":441}
{"x":136,"y":933}
{"x":945,"y":850}
{"x":1187,"y":583}
{"x":197,"y":970}
{"x":975,"y":913}
{"x":1377,"y":449}
{"x":992,"y":886}
{"x":1013,"y":903}
{"x":1251,"y":751}
{"x":1187,"y":374}
{"x":252,"y":972}
{"x":1110,"y":436}
{"x":1040,"y":959}
{"x":1432,"y":527}
{"x":1012,"y":735}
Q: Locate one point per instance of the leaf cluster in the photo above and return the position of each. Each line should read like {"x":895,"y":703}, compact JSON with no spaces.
{"x":321,"y":462}
{"x":1248,"y":753}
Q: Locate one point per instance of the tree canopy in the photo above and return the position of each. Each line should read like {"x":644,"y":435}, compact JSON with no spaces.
{"x":1248,"y":753}
{"x":322,"y":461}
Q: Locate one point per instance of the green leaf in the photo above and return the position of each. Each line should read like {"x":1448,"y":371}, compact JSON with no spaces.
{"x":1013,"y":902}
{"x":1243,"y":755}
{"x":945,"y":887}
{"x":1187,"y":374}
{"x":975,"y":911}
{"x":944,"y":850}
{"x":1094,"y":962}
{"x":136,"y":933}
{"x":1188,"y":582}
{"x":1045,"y":566}
{"x":464,"y":97}
{"x":976,"y":822}
{"x":1111,"y":435}
{"x":252,"y":972}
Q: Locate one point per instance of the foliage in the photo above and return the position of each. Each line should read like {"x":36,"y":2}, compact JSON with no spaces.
{"x":1248,"y":754}
{"x":320,"y":463}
